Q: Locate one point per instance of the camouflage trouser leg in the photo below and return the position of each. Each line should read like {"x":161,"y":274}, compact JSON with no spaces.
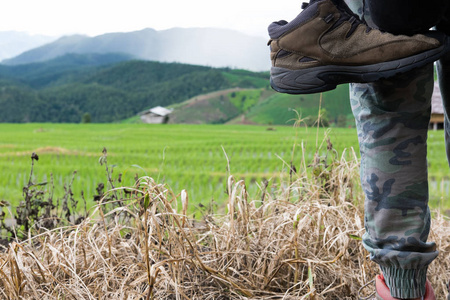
{"x":392,"y":119}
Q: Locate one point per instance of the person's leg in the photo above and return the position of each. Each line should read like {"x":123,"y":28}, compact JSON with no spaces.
{"x":392,"y":118}
{"x":399,"y":16}
{"x":443,"y":71}
{"x":405,"y":16}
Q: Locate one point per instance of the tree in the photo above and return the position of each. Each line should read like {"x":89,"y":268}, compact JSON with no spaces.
{"x":341,"y":121}
{"x":86,"y":118}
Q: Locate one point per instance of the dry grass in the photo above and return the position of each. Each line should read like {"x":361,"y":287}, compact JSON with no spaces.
{"x":297,"y":241}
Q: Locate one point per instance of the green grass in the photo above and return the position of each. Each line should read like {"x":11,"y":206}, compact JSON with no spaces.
{"x":187,"y":157}
{"x":282,"y":109}
{"x":132,"y":120}
{"x":244,"y":100}
{"x":241,"y":78}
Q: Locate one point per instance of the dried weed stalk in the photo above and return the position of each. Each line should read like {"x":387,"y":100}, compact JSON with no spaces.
{"x":302,"y":242}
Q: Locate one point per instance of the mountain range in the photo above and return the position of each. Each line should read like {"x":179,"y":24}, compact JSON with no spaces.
{"x":198,"y":46}
{"x":108,"y":87}
{"x":206,"y":75}
{"x":115,"y":88}
{"x":13,"y":43}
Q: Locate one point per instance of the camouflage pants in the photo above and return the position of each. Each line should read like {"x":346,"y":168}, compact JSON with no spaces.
{"x":392,"y":118}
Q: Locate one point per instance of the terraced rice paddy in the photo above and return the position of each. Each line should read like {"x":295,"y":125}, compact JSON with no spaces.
{"x":198,"y":158}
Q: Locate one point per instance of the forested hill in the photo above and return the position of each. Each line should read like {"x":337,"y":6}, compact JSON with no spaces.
{"x":108,"y":87}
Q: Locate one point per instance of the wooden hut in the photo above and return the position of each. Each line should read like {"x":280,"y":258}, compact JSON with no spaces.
{"x":156,"y":115}
{"x":437,"y":109}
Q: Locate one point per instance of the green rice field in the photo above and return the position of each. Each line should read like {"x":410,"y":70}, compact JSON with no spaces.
{"x":190,"y":157}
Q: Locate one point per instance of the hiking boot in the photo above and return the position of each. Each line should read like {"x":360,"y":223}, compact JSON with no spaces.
{"x":327,"y":45}
{"x":383,"y":293}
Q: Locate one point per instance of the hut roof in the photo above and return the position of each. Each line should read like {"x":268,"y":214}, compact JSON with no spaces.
{"x":158,"y":110}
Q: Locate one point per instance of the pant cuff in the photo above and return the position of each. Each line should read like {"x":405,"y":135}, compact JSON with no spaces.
{"x":405,"y":283}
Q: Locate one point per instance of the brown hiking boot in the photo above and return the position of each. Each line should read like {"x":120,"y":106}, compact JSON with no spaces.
{"x":326,"y":45}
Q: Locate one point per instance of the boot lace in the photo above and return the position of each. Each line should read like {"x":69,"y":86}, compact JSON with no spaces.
{"x":346,"y":16}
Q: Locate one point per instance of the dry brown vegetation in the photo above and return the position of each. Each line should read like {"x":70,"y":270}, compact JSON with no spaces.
{"x":299,"y":240}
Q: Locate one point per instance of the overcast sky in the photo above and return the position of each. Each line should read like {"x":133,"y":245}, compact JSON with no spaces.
{"x":94,"y":17}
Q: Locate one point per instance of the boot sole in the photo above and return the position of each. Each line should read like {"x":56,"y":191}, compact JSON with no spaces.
{"x":326,"y":78}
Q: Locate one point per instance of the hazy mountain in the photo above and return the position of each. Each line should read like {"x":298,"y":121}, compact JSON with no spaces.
{"x":13,"y":43}
{"x":200,"y":46}
{"x":65,"y":68}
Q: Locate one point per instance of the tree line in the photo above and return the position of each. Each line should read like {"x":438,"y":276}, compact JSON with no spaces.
{"x":107,"y":89}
